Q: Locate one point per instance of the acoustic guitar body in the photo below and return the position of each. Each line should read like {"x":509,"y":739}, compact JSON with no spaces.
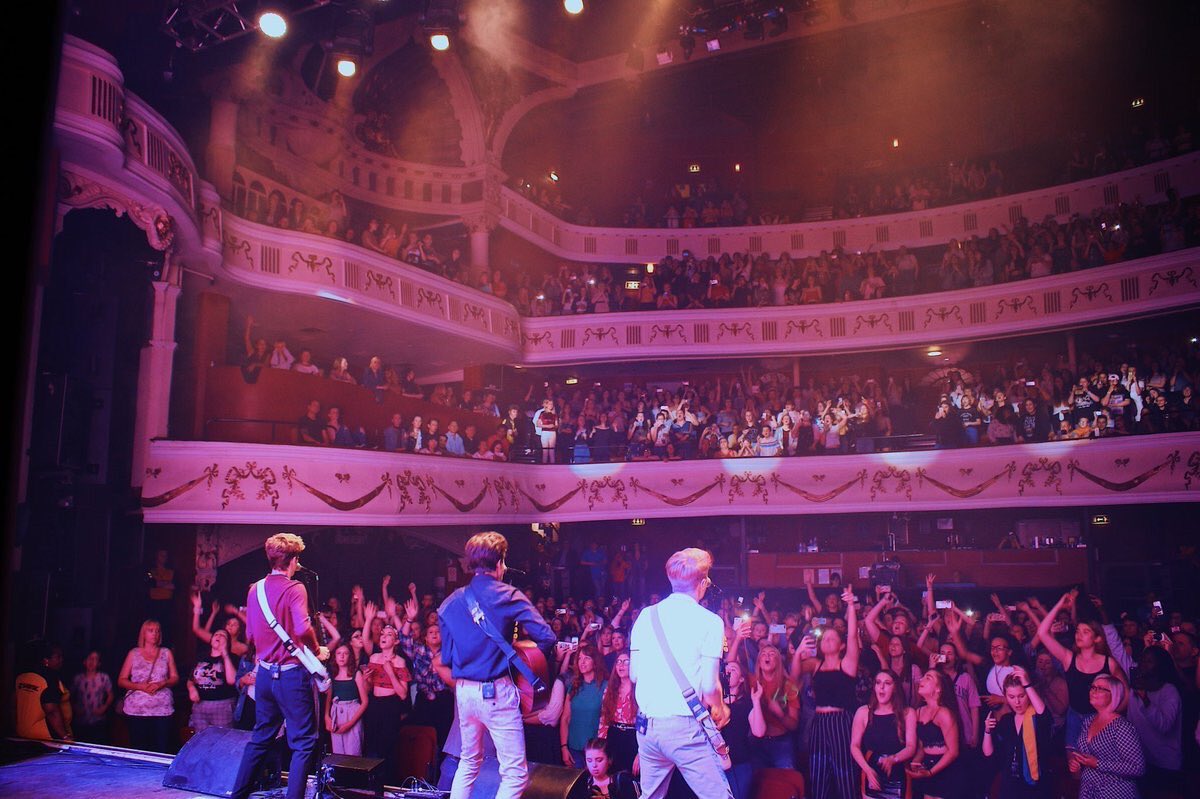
{"x":536,"y":660}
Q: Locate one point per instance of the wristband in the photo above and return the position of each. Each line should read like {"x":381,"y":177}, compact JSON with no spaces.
{"x":564,"y":746}
{"x":1026,"y":685}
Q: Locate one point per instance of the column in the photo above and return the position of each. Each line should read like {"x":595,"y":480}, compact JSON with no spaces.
{"x":222,"y":140}
{"x":154,"y":376}
{"x":1071,"y":355}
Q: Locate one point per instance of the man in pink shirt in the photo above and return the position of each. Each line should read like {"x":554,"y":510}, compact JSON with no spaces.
{"x":283,"y":687}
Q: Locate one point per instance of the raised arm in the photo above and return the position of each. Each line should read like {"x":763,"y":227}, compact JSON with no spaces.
{"x":203,"y":632}
{"x":1056,"y":650}
{"x":930,"y":605}
{"x":812,"y":596}
{"x":872,"y":618}
{"x":850,"y":661}
{"x":954,"y":624}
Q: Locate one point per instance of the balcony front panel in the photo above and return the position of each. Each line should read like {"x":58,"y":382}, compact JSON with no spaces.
{"x":299,"y":263}
{"x":1147,"y":184}
{"x":216,"y":482}
{"x":1146,"y":286}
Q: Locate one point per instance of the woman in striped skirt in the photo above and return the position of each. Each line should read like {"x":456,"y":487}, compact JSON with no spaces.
{"x":833,"y":663}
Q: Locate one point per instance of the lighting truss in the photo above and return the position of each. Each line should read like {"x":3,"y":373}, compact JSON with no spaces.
{"x":200,"y":24}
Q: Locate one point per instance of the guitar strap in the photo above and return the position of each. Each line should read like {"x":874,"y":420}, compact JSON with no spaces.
{"x":479,"y":615}
{"x":302,"y":653}
{"x":697,"y":707}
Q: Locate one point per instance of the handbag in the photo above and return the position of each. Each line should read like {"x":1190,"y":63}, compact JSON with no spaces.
{"x":698,"y":709}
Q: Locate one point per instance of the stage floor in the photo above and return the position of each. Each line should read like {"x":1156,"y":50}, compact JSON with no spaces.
{"x":34,"y":771}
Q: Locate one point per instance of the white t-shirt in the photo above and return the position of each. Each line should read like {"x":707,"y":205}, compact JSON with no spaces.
{"x":693,"y":634}
{"x":996,"y":678}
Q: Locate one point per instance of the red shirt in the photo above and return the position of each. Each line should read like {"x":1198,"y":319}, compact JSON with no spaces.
{"x":288,"y":600}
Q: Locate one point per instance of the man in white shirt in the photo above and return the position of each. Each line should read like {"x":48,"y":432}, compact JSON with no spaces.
{"x":281,"y":357}
{"x":669,"y":736}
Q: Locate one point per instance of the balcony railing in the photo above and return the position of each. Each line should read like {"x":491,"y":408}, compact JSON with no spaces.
{"x":1147,"y":184}
{"x":301,"y":263}
{"x":215,"y":482}
{"x":1136,"y":288}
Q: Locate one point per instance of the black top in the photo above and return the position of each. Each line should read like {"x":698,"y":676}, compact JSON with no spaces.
{"x":470,"y":654}
{"x":881,"y":737}
{"x":209,"y":677}
{"x":834,"y":688}
{"x":1008,"y":748}
{"x":930,"y":734}
{"x":737,"y":731}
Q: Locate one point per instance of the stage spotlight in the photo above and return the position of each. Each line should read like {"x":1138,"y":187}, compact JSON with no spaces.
{"x":439,"y":41}
{"x":346,"y":67}
{"x":713,"y":45}
{"x":272,"y":24}
{"x":687,"y":43}
{"x":754,"y":29}
{"x":573,"y":6}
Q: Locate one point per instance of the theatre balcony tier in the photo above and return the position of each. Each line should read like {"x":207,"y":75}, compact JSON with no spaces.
{"x":218,"y":482}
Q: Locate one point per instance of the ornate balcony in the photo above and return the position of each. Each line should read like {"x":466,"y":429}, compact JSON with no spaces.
{"x":299,"y":263}
{"x":1147,"y":184}
{"x":217,"y":482}
{"x":1136,"y":288}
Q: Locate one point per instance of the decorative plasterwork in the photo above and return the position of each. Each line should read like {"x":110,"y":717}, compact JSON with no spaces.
{"x":213,"y":482}
{"x":76,"y":190}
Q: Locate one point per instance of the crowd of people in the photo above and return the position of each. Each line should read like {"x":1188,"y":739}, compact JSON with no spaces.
{"x":706,"y":202}
{"x":333,"y":219}
{"x":865,"y":694}
{"x":741,"y":280}
{"x":1122,"y":392}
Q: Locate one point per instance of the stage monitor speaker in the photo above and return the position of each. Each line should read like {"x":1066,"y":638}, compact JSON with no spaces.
{"x":362,"y":775}
{"x":556,"y":782}
{"x":545,"y":781}
{"x":208,"y":763}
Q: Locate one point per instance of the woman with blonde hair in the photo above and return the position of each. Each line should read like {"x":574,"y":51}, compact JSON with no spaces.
{"x":147,"y":675}
{"x":1107,"y":756}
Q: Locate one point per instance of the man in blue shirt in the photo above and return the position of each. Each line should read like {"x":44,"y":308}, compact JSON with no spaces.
{"x":485,"y":695}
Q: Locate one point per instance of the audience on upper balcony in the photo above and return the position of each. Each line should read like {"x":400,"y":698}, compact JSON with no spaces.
{"x":705,"y":202}
{"x":739,"y":279}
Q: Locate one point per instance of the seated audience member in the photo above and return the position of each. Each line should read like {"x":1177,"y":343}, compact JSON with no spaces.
{"x":373,"y":378}
{"x":393,"y":435}
{"x":310,"y":428}
{"x":258,"y":357}
{"x":340,"y":371}
{"x":281,"y":357}
{"x":304,"y":365}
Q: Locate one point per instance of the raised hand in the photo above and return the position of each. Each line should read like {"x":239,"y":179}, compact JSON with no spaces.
{"x":756,"y":691}
{"x":387,"y":580}
{"x":929,"y":578}
{"x":410,"y":608}
{"x":370,"y":609}
{"x":389,"y":607}
{"x":197,"y":602}
{"x":412,"y":589}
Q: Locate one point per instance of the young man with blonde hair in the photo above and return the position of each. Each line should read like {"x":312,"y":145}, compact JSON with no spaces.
{"x":669,"y":736}
{"x":283,"y":687}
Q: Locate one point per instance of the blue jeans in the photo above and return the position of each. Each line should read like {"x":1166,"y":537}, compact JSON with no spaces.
{"x":281,"y":696}
{"x":741,"y":778}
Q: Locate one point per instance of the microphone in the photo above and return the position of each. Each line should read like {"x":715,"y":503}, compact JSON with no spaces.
{"x":305,"y":570}
{"x":517,"y":572}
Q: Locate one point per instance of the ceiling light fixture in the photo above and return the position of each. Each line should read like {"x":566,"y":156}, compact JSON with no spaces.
{"x":573,"y":7}
{"x":272,"y":24}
